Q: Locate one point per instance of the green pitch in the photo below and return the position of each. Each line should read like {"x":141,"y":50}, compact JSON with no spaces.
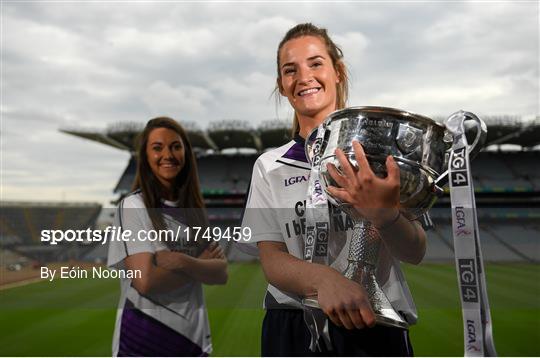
{"x":76,"y":317}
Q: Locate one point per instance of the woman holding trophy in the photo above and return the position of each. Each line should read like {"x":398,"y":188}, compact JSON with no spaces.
{"x":312,"y":76}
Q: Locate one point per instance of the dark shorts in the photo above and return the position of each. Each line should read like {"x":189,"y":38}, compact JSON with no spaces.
{"x":284,"y":333}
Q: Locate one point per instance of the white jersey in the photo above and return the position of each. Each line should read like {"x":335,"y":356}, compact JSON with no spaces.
{"x":165,"y":323}
{"x":275,"y":211}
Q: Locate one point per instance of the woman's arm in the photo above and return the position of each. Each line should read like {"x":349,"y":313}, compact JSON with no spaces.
{"x":405,"y":239}
{"x":209,"y":268}
{"x":153,"y":279}
{"x":343,"y":300}
{"x":377,"y":199}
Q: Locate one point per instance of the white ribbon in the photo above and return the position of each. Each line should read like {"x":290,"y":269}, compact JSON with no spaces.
{"x":316,"y":240}
{"x":477,"y":328}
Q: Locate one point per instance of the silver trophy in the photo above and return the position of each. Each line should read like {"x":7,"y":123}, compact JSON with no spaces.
{"x":420,"y":147}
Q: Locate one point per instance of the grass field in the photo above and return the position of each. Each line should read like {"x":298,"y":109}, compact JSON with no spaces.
{"x":76,"y":317}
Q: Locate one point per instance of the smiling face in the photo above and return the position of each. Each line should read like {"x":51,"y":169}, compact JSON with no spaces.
{"x":165,"y":153}
{"x":308,"y":78}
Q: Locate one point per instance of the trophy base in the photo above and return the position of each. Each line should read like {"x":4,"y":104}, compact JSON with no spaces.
{"x":384,"y":317}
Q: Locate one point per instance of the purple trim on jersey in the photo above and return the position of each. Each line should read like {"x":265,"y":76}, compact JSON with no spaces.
{"x":296,"y":152}
{"x":142,"y":335}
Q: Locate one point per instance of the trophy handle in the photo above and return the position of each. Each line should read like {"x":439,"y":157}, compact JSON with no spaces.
{"x":481,"y":133}
{"x":455,"y":124}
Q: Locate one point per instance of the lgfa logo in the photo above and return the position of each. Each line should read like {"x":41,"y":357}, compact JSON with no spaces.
{"x":471,"y":337}
{"x":295,"y":180}
{"x":461,"y":221}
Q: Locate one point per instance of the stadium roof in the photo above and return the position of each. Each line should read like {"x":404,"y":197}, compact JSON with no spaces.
{"x":238,"y":134}
{"x":527,"y":136}
{"x":233,"y":134}
{"x":97,"y":137}
{"x":274,"y":133}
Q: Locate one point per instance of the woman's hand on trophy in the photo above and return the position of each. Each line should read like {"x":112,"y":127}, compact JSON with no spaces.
{"x":345,"y":302}
{"x":376,"y":199}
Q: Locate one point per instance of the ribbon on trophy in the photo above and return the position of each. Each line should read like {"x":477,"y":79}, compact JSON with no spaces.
{"x":478,"y":334}
{"x":316,"y":240}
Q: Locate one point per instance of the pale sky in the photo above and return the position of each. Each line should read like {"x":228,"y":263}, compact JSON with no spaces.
{"x":92,"y":64}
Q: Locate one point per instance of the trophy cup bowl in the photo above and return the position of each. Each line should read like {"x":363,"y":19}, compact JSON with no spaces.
{"x":419,"y":145}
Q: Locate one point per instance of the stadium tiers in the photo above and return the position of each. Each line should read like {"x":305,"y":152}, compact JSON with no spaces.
{"x":235,"y":138}
{"x":21,"y":224}
{"x":9,"y":258}
{"x":498,"y":177}
{"x":224,"y":174}
{"x":500,"y":172}
{"x":273,"y":138}
{"x":525,"y":136}
{"x":507,"y":185}
{"x":201,"y":141}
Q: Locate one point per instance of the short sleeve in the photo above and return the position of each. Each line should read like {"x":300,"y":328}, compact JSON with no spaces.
{"x":130,"y":219}
{"x":260,"y":213}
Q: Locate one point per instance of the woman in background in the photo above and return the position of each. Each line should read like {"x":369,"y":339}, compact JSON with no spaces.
{"x":162,"y":312}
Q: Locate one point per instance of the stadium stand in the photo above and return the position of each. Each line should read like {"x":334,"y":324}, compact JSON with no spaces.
{"x":496,"y":247}
{"x":518,"y":236}
{"x":274,"y":133}
{"x":98,"y":254}
{"x":233,"y":134}
{"x":9,"y":259}
{"x":500,"y":177}
{"x":225,"y":174}
{"x":23,"y":222}
{"x":507,"y":185}
{"x":500,"y":172}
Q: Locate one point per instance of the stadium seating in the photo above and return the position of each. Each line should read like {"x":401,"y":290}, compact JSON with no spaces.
{"x":507,"y":184}
{"x":505,"y":172}
{"x":507,"y":234}
{"x":10,"y":257}
{"x":23,"y":222}
{"x":225,"y":174}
